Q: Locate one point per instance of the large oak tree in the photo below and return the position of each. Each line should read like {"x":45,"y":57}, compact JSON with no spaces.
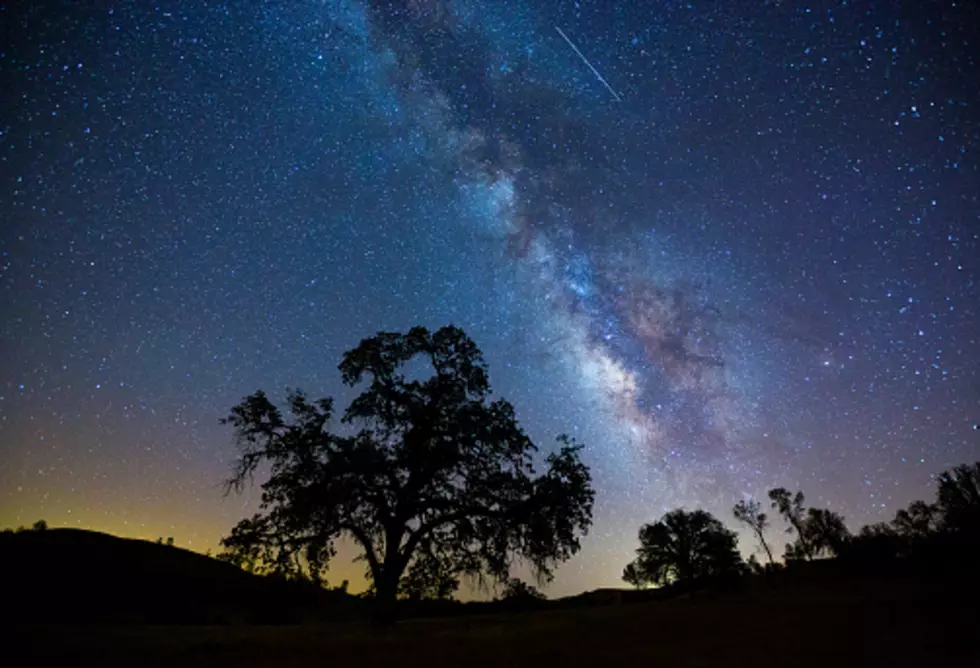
{"x":427,"y":475}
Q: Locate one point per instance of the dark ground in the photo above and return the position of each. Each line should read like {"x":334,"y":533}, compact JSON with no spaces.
{"x":818,"y":620}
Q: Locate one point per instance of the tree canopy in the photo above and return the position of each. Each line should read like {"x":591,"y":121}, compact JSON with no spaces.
{"x":683,"y":547}
{"x":826,"y":532}
{"x":819,"y":532}
{"x":428,"y":476}
{"x":790,"y":506}
{"x":958,"y":497}
{"x":920,"y":520}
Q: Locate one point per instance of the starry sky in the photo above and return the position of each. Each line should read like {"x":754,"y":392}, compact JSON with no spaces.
{"x":727,"y":245}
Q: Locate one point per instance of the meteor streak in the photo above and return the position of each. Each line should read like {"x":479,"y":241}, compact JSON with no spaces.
{"x":586,"y":61}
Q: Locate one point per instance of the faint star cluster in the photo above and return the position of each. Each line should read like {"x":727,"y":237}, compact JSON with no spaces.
{"x":729,"y":246}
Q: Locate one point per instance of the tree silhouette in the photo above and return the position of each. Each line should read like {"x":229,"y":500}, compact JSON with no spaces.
{"x":750,"y":513}
{"x":918,"y":522}
{"x":942,"y":532}
{"x":790,"y":506}
{"x":684,"y":547}
{"x":40,"y":525}
{"x":427,"y":469}
{"x":825,"y":531}
{"x":958,"y":498}
{"x":875,"y":543}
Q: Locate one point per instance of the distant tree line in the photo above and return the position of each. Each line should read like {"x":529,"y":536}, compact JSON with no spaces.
{"x":688,"y":547}
{"x":40,"y":525}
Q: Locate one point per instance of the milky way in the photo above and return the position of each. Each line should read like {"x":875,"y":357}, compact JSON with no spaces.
{"x":728,"y":246}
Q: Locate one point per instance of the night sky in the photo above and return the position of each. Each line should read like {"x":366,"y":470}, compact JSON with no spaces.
{"x":727,"y":245}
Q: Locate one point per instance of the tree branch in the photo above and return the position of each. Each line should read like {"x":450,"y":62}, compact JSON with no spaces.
{"x":369,"y":553}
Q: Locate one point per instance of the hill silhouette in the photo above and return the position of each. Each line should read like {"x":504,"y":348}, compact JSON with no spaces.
{"x":74,"y":575}
{"x":815,"y":615}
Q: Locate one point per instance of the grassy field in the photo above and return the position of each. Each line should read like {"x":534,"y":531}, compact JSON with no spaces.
{"x":884,"y":622}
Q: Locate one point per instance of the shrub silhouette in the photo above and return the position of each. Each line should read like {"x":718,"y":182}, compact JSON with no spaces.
{"x":516,"y":590}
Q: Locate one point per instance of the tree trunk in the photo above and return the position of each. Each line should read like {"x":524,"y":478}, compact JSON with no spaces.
{"x":386,"y":596}
{"x":804,"y":542}
{"x":765,"y":546}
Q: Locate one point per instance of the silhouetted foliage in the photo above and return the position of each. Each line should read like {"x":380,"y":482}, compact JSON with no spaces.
{"x":958,"y":498}
{"x":429,"y":578}
{"x":684,"y":547}
{"x":256,"y":547}
{"x":928,"y":534}
{"x":632,"y":576}
{"x":790,"y":506}
{"x":517,"y":590}
{"x":819,"y":532}
{"x":754,"y":567}
{"x":750,"y":513}
{"x":920,"y":521}
{"x":826,"y":533}
{"x":429,"y":472}
{"x":875,"y":543}
{"x":40,"y":525}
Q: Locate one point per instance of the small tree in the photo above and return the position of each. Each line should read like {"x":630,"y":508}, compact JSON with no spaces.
{"x":685,"y":547}
{"x":428,"y":469}
{"x":40,"y":525}
{"x":750,"y":513}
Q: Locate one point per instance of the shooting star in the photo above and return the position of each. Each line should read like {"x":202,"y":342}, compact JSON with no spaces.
{"x":586,"y":61}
